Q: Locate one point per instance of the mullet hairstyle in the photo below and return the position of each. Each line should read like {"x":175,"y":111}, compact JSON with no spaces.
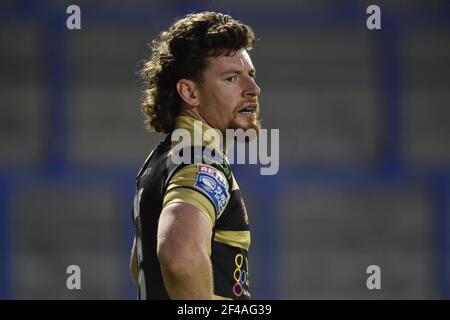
{"x":181,"y":52}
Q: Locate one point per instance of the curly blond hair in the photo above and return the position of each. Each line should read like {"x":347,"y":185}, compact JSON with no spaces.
{"x":182,"y":52}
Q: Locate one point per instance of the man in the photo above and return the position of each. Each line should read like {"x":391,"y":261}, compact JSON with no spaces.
{"x":191,"y":226}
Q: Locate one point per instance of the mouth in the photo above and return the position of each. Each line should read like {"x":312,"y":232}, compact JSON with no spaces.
{"x":249,"y":109}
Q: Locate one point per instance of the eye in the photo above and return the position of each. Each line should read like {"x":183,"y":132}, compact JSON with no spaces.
{"x":231,"y":79}
{"x":252,"y":75}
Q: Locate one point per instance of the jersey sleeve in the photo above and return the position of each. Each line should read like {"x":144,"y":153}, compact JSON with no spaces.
{"x":202,"y":186}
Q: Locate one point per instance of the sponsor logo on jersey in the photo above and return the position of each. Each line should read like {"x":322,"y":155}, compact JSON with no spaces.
{"x":213,"y":183}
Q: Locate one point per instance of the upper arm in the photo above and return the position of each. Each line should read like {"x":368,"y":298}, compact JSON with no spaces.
{"x":183,"y":231}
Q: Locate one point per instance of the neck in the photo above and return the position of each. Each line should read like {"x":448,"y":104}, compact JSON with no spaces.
{"x":193,"y":113}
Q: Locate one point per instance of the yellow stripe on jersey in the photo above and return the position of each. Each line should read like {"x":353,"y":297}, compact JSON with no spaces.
{"x":234,"y":186}
{"x":216,"y":297}
{"x":184,"y":177}
{"x":238,"y":239}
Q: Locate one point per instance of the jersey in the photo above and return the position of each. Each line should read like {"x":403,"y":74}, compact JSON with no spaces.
{"x":209,"y":185}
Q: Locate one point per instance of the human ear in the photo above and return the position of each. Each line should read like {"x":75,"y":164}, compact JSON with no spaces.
{"x":187,"y":89}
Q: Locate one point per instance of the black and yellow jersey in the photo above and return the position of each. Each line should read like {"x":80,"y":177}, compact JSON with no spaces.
{"x":209,"y":185}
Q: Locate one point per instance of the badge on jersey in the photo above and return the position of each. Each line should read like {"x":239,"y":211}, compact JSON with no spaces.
{"x":213,"y":183}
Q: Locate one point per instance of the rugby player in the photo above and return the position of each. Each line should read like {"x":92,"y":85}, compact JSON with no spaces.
{"x":192,"y":232}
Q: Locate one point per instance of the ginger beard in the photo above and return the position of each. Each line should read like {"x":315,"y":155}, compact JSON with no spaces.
{"x":246,"y":117}
{"x":228,"y":94}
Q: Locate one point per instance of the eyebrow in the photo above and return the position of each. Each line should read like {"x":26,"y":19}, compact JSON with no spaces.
{"x":235,"y":71}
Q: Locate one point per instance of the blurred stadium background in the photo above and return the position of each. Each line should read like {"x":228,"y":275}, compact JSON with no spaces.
{"x":364,"y":119}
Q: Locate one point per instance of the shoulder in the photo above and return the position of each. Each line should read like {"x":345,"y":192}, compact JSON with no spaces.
{"x":204,"y":183}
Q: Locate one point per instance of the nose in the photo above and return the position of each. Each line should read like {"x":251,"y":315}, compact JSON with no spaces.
{"x":252,"y":88}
